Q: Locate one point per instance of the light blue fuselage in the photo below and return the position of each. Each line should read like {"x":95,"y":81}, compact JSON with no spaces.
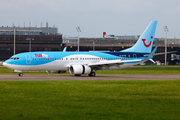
{"x":60,"y":60}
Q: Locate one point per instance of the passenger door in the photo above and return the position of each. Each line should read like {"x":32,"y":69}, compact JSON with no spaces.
{"x":28,"y":59}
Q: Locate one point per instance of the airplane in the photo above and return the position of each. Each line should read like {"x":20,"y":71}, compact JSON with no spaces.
{"x":79,"y":63}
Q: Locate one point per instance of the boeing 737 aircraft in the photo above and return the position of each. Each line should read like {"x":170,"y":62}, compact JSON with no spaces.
{"x":79,"y":63}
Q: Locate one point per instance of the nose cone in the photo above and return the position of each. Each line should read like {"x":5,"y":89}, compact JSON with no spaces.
{"x":8,"y":65}
{"x":8,"y":61}
{"x":5,"y":64}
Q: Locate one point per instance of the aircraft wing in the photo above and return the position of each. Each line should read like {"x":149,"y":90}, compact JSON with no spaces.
{"x":106,"y":63}
{"x":164,"y":53}
{"x":111,"y":63}
{"x":161,"y":53}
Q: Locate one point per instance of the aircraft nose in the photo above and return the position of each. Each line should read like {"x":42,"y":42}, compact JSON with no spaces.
{"x":4,"y":64}
{"x":8,"y":64}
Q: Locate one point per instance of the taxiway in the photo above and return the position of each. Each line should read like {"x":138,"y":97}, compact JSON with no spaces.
{"x":98,"y":77}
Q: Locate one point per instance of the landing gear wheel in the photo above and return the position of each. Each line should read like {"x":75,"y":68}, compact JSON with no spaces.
{"x":92,"y":74}
{"x":20,"y":74}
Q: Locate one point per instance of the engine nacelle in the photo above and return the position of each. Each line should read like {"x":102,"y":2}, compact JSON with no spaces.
{"x":55,"y":71}
{"x":79,"y":69}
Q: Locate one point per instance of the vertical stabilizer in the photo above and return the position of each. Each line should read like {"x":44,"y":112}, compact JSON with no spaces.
{"x":145,"y":42}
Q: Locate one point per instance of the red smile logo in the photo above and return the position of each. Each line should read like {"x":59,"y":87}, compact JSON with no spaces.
{"x":145,"y":43}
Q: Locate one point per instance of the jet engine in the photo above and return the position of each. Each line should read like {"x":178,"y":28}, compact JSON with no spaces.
{"x":79,"y":69}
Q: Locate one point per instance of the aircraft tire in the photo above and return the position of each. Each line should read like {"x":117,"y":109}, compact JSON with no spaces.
{"x":20,"y":74}
{"x":92,"y":74}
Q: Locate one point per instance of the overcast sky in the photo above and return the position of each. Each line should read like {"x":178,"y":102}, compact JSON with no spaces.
{"x":118,"y":17}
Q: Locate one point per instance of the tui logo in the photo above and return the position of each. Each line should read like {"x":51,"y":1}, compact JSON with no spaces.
{"x":38,"y":55}
{"x":145,"y":43}
{"x":41,"y":55}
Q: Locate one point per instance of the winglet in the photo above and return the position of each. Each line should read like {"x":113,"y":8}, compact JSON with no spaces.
{"x":64,"y":50}
{"x":152,"y":61}
{"x":152,"y":54}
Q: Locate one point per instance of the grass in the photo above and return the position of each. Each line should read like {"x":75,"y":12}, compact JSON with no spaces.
{"x":87,"y":100}
{"x":138,"y":70}
{"x":144,"y":70}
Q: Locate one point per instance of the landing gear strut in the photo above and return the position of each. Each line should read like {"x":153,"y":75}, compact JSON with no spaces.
{"x":20,"y":74}
{"x":92,"y":74}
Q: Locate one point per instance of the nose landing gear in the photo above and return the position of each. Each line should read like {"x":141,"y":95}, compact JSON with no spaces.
{"x":19,"y":71}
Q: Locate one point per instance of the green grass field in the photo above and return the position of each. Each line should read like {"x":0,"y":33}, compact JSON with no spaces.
{"x":137,"y":70}
{"x":89,"y":100}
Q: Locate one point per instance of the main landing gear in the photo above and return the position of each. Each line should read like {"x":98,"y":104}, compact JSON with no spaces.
{"x":20,"y":74}
{"x":92,"y":74}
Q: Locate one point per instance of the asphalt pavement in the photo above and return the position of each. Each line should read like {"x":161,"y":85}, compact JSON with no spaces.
{"x":85,"y":77}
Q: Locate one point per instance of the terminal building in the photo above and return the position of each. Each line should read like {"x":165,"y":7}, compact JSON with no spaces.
{"x":48,"y":39}
{"x":41,"y":39}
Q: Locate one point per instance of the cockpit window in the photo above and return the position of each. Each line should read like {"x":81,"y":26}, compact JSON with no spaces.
{"x":15,"y":58}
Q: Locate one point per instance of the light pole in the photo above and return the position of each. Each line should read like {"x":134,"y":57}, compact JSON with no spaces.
{"x":78,"y":30}
{"x":166,"y":30}
{"x":29,"y":43}
{"x":14,"y":40}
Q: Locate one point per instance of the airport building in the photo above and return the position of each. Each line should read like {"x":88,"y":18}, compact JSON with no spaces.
{"x":28,"y":39}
